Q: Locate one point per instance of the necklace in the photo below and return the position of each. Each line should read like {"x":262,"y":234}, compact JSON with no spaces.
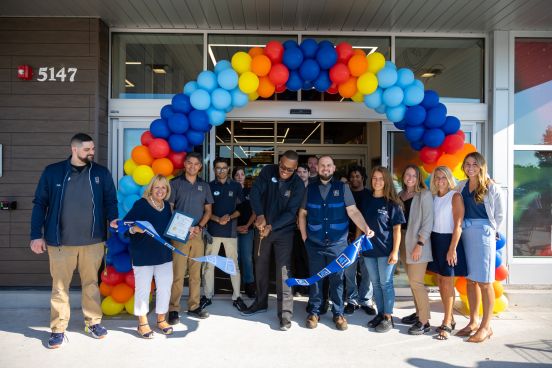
{"x":159,"y":207}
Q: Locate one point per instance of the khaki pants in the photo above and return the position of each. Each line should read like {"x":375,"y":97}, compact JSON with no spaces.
{"x":416,"y":272}
{"x":63,"y":261}
{"x":231,"y":251}
{"x":182,"y":265}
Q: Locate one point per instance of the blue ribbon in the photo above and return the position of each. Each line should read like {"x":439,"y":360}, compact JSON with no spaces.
{"x":226,"y":265}
{"x":344,"y":260}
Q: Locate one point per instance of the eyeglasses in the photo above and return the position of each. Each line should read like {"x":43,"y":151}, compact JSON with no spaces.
{"x":221,"y":169}
{"x":287,"y":169}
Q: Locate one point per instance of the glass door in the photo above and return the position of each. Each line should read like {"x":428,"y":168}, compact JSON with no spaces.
{"x":126,"y":135}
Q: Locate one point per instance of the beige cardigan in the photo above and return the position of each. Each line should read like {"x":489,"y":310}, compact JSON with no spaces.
{"x":420,"y":223}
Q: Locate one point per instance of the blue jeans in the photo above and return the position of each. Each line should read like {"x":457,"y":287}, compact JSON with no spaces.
{"x":362,"y":294}
{"x":381,"y":274}
{"x":245,"y":256}
{"x":319,"y":257}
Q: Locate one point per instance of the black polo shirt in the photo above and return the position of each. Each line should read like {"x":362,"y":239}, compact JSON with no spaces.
{"x":190,"y":198}
{"x":226,"y":198}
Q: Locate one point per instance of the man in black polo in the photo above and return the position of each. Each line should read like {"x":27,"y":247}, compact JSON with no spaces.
{"x":275,"y":198}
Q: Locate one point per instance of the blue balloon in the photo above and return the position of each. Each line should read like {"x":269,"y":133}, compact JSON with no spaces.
{"x":290,"y":43}
{"x":239,"y":99}
{"x":294,"y":82}
{"x":400,"y":124}
{"x":390,"y":64}
{"x":380,"y":109}
{"x":387,"y":77}
{"x":178,"y":142}
{"x":200,"y":99}
{"x":121,"y":234}
{"x":414,"y":133}
{"x":405,"y":77}
{"x":500,"y":242}
{"x":142,"y":190}
{"x":326,"y":57}
{"x":374,"y":99}
{"x":419,"y":83}
{"x":181,"y":103}
{"x":431,"y":99}
{"x":395,"y":113}
{"x":178,"y":123}
{"x":436,"y":116}
{"x":413,"y":95}
{"x":127,"y":186}
{"x":417,"y":145}
{"x":216,"y":117}
{"x":129,"y":201}
{"x":160,"y":129}
{"x":393,"y":96}
{"x":222,"y":65}
{"x":309,"y":47}
{"x":498,"y":260}
{"x":323,"y":82}
{"x":120,"y":196}
{"x":190,"y":87}
{"x":415,"y":115}
{"x":307,"y":85}
{"x":434,"y":137}
{"x":207,"y":80}
{"x":115,"y":246}
{"x":293,"y":57}
{"x":221,"y":99}
{"x":166,"y":112}
{"x":309,"y":70}
{"x":451,"y":125}
{"x":228,"y":79}
{"x":194,"y":137}
{"x":108,"y":258}
{"x":325,"y":43}
{"x":121,"y":262}
{"x":199,"y":120}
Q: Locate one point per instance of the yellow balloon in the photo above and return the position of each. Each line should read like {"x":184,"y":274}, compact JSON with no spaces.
{"x":129,"y":166}
{"x":241,"y":62}
{"x":367,"y":83}
{"x":424,"y":173}
{"x":129,"y":305}
{"x":253,"y":96}
{"x":111,"y":307}
{"x":501,"y":304}
{"x":376,"y":61}
{"x":170,"y":177}
{"x":429,"y":280}
{"x":248,"y":82}
{"x":458,"y":173}
{"x":142,"y":174}
{"x":358,"y":97}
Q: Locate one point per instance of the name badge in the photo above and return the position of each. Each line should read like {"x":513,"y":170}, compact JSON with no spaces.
{"x":230,"y":194}
{"x":336,"y":193}
{"x":287,"y":193}
{"x":247,"y":197}
{"x":216,"y":193}
{"x":97,"y":179}
{"x":200,"y":188}
{"x":274,"y":180}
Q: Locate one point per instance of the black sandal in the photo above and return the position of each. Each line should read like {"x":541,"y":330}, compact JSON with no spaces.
{"x":146,"y":335}
{"x":452,"y":326}
{"x":167,"y":330}
{"x":444,"y":332}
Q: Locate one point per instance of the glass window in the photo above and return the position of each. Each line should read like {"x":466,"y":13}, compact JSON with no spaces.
{"x":299,"y":132}
{"x":154,"y":65}
{"x":532,"y":203}
{"x":224,"y":133}
{"x":252,"y":132}
{"x":453,"y":67}
{"x":334,"y":133}
{"x":131,"y":139}
{"x":533,"y":91}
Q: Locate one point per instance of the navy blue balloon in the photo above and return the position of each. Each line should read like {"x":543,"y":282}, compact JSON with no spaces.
{"x":498,"y":260}
{"x":501,"y":241}
{"x":400,"y":124}
{"x":166,"y":112}
{"x":326,"y":57}
{"x":108,"y":258}
{"x":323,"y":82}
{"x":181,"y":103}
{"x":431,"y":99}
{"x":307,"y":85}
{"x":121,"y":262}
{"x":414,"y":133}
{"x":160,"y":129}
{"x":434,"y":137}
{"x":178,"y":123}
{"x":178,"y":142}
{"x":436,"y":116}
{"x":123,"y":238}
{"x":290,"y":43}
{"x":309,"y":70}
{"x":194,"y":137}
{"x":451,"y":126}
{"x":199,"y":120}
{"x":415,"y":115}
{"x":293,"y":58}
{"x":294,"y":82}
{"x":309,"y":47}
{"x":325,"y":43}
{"x":115,"y":246}
{"x":417,"y":145}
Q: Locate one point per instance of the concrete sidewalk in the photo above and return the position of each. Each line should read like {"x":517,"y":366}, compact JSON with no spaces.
{"x":522,"y":338}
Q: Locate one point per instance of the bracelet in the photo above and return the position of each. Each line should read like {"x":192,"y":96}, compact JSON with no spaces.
{"x":420,"y":243}
{"x":132,"y":231}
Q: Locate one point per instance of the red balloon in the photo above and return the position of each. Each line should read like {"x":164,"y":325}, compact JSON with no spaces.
{"x":280,"y":88}
{"x":111,"y":277}
{"x":452,"y":143}
{"x":344,"y":52}
{"x":333,"y":89}
{"x":339,"y":73}
{"x":501,"y":273}
{"x":159,"y":148}
{"x":278,"y":74}
{"x":177,"y":159}
{"x":275,"y":51}
{"x":129,"y":279}
{"x":146,"y":138}
{"x":461,"y":134}
{"x":430,"y":155}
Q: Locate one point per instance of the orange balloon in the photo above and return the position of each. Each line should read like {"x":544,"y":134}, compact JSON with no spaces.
{"x":357,"y":65}
{"x":254,"y":51}
{"x":463,"y":152}
{"x":461,"y":285}
{"x":122,"y":292}
{"x":260,"y":65}
{"x":105,"y":289}
{"x":349,"y":88}
{"x":448,"y":160}
{"x":429,"y":167}
{"x":266,"y":87}
{"x":498,"y":289}
{"x":141,"y":155}
{"x":163,"y":166}
{"x":359,"y":52}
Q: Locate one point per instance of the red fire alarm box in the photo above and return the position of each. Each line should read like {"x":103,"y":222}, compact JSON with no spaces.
{"x":25,"y":72}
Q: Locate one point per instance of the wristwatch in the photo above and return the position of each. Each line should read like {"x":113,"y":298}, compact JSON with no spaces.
{"x":420,"y":243}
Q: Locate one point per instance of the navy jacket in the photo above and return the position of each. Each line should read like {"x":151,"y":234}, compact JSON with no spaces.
{"x":327,"y":219}
{"x":49,"y":196}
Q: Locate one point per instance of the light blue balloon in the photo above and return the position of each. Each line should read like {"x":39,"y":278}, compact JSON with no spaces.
{"x":221,"y":99}
{"x":239,"y":99}
{"x":390,"y":64}
{"x":380,"y":109}
{"x":200,"y":99}
{"x":395,"y":113}
{"x":393,"y":96}
{"x":207,"y":80}
{"x":128,"y":186}
{"x":120,"y":196}
{"x":373,"y":100}
{"x":222,"y":65}
{"x":387,"y":77}
{"x":229,"y":108}
{"x":228,"y":79}
{"x":413,"y":95}
{"x":419,"y":83}
{"x":405,"y":77}
{"x":129,"y":201}
{"x":142,"y":190}
{"x":190,"y":87}
{"x":216,"y":117}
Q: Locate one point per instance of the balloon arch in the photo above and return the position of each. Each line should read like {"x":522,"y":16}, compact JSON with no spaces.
{"x":261,"y":72}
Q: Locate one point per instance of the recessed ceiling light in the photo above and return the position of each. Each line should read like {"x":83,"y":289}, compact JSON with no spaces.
{"x":159,"y":71}
{"x":128,"y":84}
{"x":133,"y":62}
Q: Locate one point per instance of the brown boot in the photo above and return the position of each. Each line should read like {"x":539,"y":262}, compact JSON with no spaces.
{"x":312,"y":321}
{"x":340,"y":323}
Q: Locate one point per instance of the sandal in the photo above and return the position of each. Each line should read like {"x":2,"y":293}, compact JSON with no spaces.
{"x":165,"y":330}
{"x":145,"y":335}
{"x":444,"y":332}
{"x":452,"y":326}
{"x":478,"y":339}
{"x":466,"y":331}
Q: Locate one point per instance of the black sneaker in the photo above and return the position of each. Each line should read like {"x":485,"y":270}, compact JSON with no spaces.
{"x":56,"y":340}
{"x":174,"y":318}
{"x":204,"y":301}
{"x":419,"y":329}
{"x":285,"y":324}
{"x":385,"y":325}
{"x":97,"y":331}
{"x":239,"y":304}
{"x":253,"y":309}
{"x":369,"y":310}
{"x":350,"y":308}
{"x":198,"y":313}
{"x":410,"y":319}
{"x":375,"y":321}
{"x":250,"y":290}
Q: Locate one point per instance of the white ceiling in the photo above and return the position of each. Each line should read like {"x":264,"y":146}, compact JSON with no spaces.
{"x":301,"y":15}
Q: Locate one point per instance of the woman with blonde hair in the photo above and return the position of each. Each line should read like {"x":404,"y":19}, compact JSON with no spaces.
{"x":483,"y":217}
{"x":448,"y":252}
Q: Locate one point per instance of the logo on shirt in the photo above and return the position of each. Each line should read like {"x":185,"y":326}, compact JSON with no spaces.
{"x":287,"y":193}
{"x":200,"y":188}
{"x":97,"y":179}
{"x":230,"y":193}
{"x":274,"y":180}
{"x":216,"y":193}
{"x":383,"y":211}
{"x":336,"y":193}
{"x":247,"y":197}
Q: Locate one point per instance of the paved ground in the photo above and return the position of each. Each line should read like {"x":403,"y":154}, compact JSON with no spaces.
{"x":522,"y":338}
